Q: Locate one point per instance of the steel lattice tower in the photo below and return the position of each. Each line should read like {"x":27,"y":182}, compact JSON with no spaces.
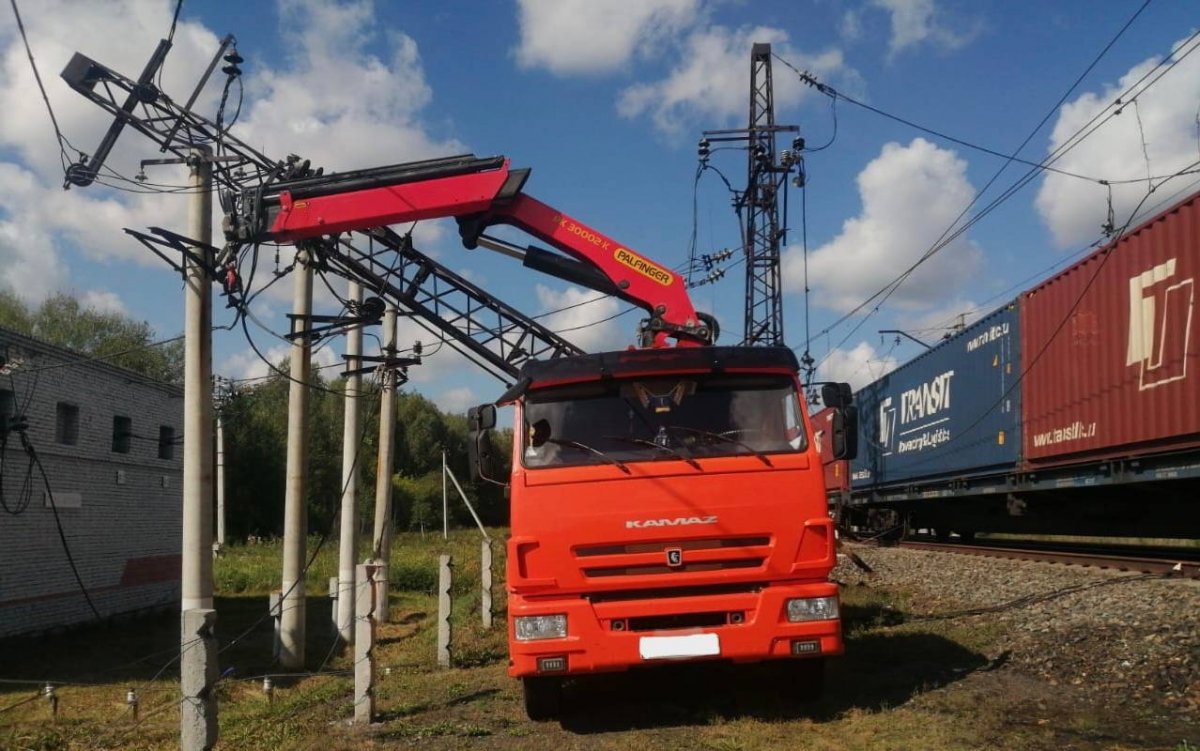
{"x":758,"y":205}
{"x":761,"y":231}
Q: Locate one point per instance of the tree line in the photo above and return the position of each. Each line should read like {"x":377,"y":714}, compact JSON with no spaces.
{"x":110,"y":336}
{"x":255,"y":422}
{"x":255,"y":425}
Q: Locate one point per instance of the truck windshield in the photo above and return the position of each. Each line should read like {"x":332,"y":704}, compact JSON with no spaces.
{"x":652,"y":419}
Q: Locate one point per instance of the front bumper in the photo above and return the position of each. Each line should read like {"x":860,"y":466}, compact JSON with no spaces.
{"x":753,"y":627}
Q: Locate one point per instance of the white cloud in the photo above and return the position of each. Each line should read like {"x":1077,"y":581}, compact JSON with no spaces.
{"x":916,"y":22}
{"x":910,"y":195}
{"x":308,"y":108}
{"x":40,"y":224}
{"x":713,"y":75}
{"x":247,"y":364}
{"x":1075,"y":210}
{"x":583,"y":36}
{"x":103,"y":301}
{"x":456,"y":401}
{"x":850,"y":28}
{"x":582,"y":318}
{"x":858,"y":366}
{"x":302,"y":106}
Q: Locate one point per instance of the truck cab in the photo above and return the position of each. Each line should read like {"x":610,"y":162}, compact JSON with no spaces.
{"x":667,"y":504}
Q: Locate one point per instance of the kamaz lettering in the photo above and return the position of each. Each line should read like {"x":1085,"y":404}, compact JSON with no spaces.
{"x":927,"y":399}
{"x":676,"y":522}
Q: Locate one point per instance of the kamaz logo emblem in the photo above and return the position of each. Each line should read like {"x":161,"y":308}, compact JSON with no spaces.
{"x":674,"y":557}
{"x":681,"y":521}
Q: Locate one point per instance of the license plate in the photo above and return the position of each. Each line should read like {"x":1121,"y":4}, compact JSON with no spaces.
{"x":679,"y":647}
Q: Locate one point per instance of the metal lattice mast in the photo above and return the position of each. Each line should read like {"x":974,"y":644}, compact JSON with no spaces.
{"x":761,"y":233}
{"x":758,"y":206}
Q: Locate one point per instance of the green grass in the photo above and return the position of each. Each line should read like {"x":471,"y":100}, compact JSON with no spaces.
{"x":926,"y":685}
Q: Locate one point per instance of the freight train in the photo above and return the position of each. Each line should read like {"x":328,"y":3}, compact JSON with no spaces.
{"x":1072,"y":409}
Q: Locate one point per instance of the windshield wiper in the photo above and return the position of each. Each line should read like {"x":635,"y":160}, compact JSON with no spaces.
{"x":723,"y":438}
{"x":643,"y":442}
{"x":583,"y":447}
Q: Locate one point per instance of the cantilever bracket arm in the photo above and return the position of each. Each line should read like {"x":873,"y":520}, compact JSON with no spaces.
{"x":186,"y":246}
{"x":398,"y":364}
{"x":334,"y":325}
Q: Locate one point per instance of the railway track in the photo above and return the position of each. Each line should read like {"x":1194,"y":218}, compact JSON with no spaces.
{"x":1150,"y":560}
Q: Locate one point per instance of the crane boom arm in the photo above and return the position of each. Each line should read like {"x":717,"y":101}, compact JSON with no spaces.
{"x":479,"y":193}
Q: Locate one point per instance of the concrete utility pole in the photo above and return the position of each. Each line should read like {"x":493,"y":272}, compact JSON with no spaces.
{"x":351,"y":466}
{"x":220,"y":482}
{"x":383,"y":468}
{"x":198,"y":656}
{"x":295,"y":513}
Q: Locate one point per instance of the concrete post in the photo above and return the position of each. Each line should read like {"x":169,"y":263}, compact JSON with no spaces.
{"x":220,"y":482}
{"x":444,"y":605}
{"x":334,"y":588}
{"x":274,"y":603}
{"x":198,"y":663}
{"x":485,"y":585}
{"x":445,"y":503}
{"x":351,"y":465}
{"x":383,"y":469}
{"x":364,"y":643}
{"x":197,"y":680}
{"x":295,"y":511}
{"x":196,"y":584}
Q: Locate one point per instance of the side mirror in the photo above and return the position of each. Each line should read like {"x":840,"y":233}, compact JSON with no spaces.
{"x":486,"y":464}
{"x":844,"y":430}
{"x":481,"y":418}
{"x":836,"y":394}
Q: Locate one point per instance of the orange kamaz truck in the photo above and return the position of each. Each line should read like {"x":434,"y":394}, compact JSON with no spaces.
{"x":667,"y":504}
{"x":667,"y":501}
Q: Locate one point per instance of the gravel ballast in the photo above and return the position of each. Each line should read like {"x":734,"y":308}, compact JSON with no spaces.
{"x":1120,"y":639}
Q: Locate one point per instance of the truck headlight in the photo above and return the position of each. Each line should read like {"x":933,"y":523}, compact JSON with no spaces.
{"x":812,"y":609}
{"x":534,"y":627}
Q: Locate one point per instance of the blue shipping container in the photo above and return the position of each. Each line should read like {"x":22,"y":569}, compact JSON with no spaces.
{"x":953,"y":411}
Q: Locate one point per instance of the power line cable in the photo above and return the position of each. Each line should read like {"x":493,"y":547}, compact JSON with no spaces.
{"x":950,"y":234}
{"x":62,"y":142}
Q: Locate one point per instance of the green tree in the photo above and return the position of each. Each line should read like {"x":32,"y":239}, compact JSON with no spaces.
{"x":256,"y":432}
{"x":114,"y":337}
{"x":256,"y":450}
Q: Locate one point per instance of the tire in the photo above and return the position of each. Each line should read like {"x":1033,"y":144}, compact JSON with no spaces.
{"x":543,"y":697}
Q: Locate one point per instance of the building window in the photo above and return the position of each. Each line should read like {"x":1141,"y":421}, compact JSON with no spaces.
{"x":166,"y":442}
{"x":66,"y":425}
{"x":8,"y":410}
{"x":122,"y":433}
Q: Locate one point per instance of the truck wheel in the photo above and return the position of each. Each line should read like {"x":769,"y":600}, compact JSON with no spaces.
{"x":543,"y":697}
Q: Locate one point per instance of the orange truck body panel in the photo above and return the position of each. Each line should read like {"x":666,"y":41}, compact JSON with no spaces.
{"x":592,"y":541}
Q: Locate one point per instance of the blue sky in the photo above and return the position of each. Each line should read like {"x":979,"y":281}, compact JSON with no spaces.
{"x":605,"y":102}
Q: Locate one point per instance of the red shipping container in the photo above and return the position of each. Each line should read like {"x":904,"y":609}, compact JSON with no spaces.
{"x":1110,"y":350}
{"x":837,"y":472}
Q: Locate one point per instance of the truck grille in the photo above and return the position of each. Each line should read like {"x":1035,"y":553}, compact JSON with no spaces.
{"x":653,"y":558}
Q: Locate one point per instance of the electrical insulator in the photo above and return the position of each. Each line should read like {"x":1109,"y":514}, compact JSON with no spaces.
{"x":234,"y":59}
{"x":417,"y":348}
{"x":798,"y":143}
{"x":703,"y":149}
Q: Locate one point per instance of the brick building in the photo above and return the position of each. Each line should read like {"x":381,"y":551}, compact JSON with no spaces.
{"x":110,"y":442}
